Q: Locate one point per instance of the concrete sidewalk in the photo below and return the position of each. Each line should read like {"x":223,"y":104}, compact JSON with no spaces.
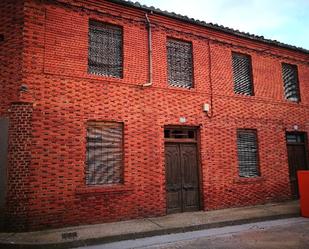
{"x":108,"y":232}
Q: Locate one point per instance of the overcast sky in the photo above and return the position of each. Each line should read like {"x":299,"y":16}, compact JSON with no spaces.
{"x":284,"y":20}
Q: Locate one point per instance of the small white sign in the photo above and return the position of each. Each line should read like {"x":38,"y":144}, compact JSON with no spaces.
{"x":182,"y":120}
{"x":206,"y":107}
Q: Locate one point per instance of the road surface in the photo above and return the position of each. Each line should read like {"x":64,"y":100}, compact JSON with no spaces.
{"x":279,"y":234}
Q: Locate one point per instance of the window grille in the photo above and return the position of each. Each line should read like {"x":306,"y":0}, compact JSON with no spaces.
{"x":104,"y":153}
{"x":242,"y":74}
{"x":295,"y":138}
{"x":290,"y":81}
{"x":179,"y":58}
{"x":180,"y":133}
{"x":247,"y":153}
{"x":105,"y":49}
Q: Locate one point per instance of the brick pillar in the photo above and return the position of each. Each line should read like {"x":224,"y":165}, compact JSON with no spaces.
{"x":19,"y":158}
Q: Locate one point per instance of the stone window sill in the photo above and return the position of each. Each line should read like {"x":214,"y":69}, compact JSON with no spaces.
{"x":249,"y":180}
{"x":104,"y":189}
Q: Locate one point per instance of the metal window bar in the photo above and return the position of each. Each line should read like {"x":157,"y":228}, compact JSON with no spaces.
{"x":295,"y":138}
{"x":247,"y":153}
{"x":105,"y":49}
{"x":104,"y":153}
{"x":179,"y":134}
{"x":180,"y":66}
{"x":242,"y":74}
{"x":290,"y":81}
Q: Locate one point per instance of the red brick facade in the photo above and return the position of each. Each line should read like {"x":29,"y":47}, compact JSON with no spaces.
{"x":46,"y":49}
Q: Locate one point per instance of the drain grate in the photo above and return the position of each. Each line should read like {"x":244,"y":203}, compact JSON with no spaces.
{"x":69,"y":236}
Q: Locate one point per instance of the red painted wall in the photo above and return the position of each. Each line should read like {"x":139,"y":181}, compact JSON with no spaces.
{"x":63,"y":97}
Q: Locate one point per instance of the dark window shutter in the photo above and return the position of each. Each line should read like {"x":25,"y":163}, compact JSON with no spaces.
{"x":104,"y":153}
{"x":179,"y":58}
{"x":242,"y":74}
{"x":290,"y":81}
{"x":105,"y":49}
{"x":247,"y":153}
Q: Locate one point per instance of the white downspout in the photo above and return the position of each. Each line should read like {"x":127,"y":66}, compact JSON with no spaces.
{"x":149,"y":83}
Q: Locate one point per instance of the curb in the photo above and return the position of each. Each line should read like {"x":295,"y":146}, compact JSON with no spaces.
{"x":131,"y":236}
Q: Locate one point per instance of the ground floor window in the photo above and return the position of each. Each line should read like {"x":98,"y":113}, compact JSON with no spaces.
{"x":104,"y":154}
{"x":247,"y":151}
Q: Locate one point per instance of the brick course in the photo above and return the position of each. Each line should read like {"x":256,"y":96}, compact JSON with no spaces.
{"x":48,"y":123}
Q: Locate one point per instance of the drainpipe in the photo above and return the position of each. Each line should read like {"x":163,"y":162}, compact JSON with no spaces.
{"x":149,"y":83}
{"x":210,"y":81}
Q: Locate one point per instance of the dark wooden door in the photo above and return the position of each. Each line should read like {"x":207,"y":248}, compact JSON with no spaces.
{"x":182,"y":183}
{"x":297,"y":157}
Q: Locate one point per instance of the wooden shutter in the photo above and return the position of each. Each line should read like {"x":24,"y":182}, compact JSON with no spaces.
{"x":179,"y":58}
{"x":290,"y":81}
{"x":105,"y":49}
{"x":242,"y":74}
{"x":247,"y":153}
{"x":104,"y":153}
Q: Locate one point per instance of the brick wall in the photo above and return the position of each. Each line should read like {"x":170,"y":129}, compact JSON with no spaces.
{"x":65,"y":97}
{"x":19,"y":168}
{"x":11,"y":20}
{"x":11,"y":27}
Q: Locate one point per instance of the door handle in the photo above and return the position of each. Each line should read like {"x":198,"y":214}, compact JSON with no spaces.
{"x":189,"y":187}
{"x":174,"y":187}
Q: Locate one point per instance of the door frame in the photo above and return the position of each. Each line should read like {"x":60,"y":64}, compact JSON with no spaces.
{"x":305,"y":144}
{"x":4,"y":140}
{"x":196,"y":141}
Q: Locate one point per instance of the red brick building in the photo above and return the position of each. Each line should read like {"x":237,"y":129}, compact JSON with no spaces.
{"x":111,"y":110}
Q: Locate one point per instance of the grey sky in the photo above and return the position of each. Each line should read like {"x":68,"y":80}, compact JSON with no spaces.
{"x":284,"y":20}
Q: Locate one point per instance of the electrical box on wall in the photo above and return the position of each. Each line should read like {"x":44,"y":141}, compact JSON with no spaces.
{"x":206,"y":107}
{"x":182,"y":120}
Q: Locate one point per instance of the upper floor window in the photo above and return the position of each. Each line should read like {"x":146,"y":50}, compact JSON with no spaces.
{"x":290,"y":82}
{"x":180,"y":66}
{"x":105,"y":54}
{"x":247,"y":150}
{"x":242,"y":74}
{"x":104,"y":163}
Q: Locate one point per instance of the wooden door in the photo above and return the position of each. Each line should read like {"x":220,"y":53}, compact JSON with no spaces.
{"x":182,"y":185}
{"x":173,"y":178}
{"x":297,"y":157}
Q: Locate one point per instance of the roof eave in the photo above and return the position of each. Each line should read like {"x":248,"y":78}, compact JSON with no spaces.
{"x":210,"y":25}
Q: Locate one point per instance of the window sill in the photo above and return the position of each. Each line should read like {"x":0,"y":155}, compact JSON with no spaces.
{"x":104,"y":189}
{"x":249,"y":180}
{"x":241,"y":95}
{"x":292,"y":102}
{"x":107,"y":76}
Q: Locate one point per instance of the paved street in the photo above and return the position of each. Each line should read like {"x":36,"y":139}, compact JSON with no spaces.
{"x":280,"y":234}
